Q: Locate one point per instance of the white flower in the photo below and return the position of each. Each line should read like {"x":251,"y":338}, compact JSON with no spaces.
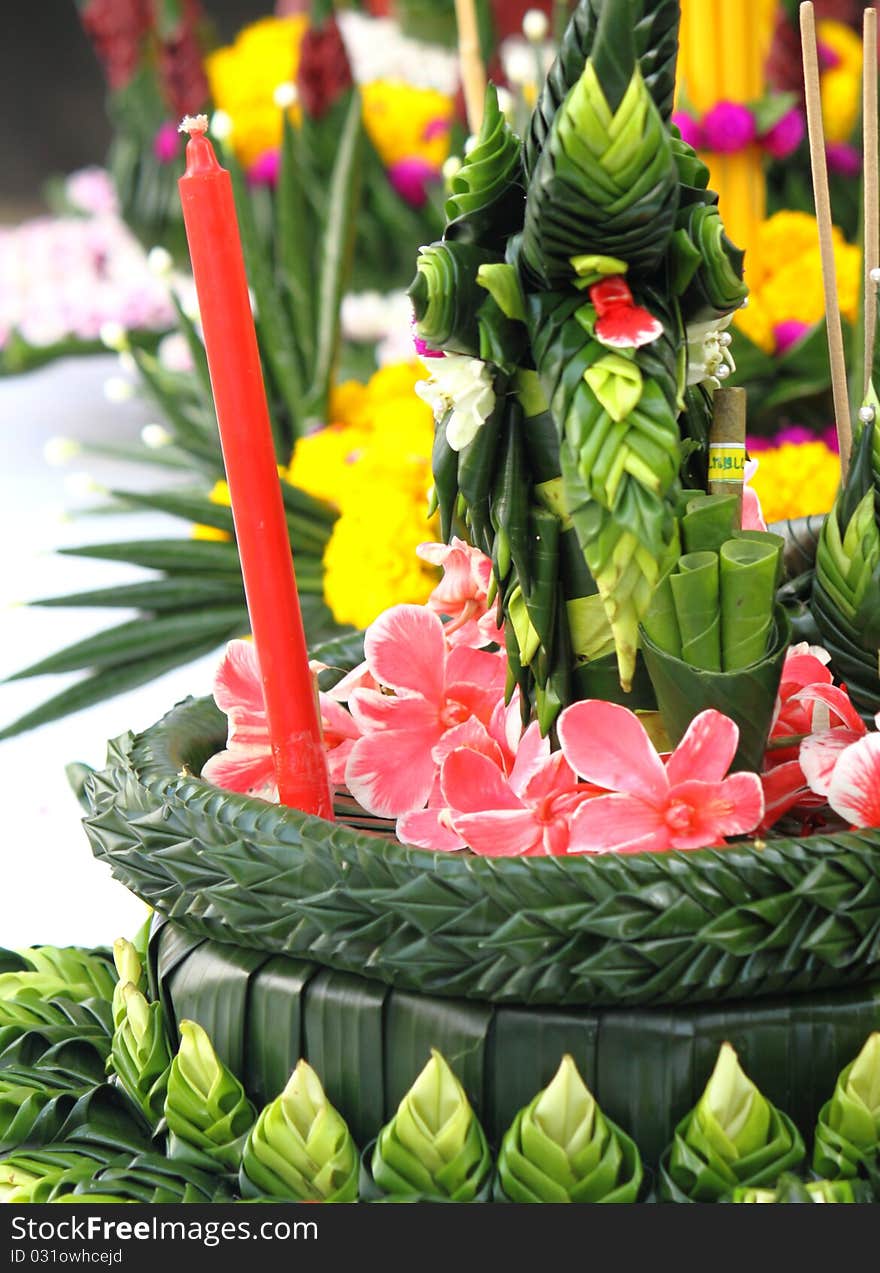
{"x":518,"y":60}
{"x":451,"y":168}
{"x":535,"y":26}
{"x":59,"y":451}
{"x":113,"y":335}
{"x":155,"y":436}
{"x":285,"y":95}
{"x":463,"y":386}
{"x":709,"y":358}
{"x":221,"y":125}
{"x":160,"y":262}
{"x":116,"y":389}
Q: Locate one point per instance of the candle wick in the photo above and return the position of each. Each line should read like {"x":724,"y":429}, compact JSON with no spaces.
{"x":194,"y":125}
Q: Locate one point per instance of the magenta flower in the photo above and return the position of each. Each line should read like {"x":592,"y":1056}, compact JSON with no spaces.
{"x":688,"y":803}
{"x":728,"y":127}
{"x":167,"y":143}
{"x":789,"y":333}
{"x":264,"y":170}
{"x":690,"y":129}
{"x":392,"y":768}
{"x":422,"y":348}
{"x":786,"y":135}
{"x":843,"y":159}
{"x":411,"y":177}
{"x":463,"y":593}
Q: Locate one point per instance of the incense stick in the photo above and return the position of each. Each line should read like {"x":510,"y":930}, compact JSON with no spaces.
{"x":822,"y":200}
{"x":470,"y":60}
{"x":872,"y":186}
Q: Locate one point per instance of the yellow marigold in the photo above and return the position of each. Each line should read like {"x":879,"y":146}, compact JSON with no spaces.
{"x":219,"y":495}
{"x":350,"y":403}
{"x":396,"y":380}
{"x":404,"y":121}
{"x":754,"y":322}
{"x":843,"y":41}
{"x":370,"y":562}
{"x":841,"y":102}
{"x":796,"y":478}
{"x":786,"y":236}
{"x":243,"y":78}
{"x":324,"y":463}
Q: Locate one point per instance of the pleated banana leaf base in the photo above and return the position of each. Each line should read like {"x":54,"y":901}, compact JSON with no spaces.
{"x":368,"y":1041}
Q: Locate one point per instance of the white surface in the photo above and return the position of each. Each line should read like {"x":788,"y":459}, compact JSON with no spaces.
{"x":51,"y":888}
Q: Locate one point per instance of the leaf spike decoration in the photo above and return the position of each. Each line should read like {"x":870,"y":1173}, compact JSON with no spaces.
{"x":300,"y":1147}
{"x":733,"y":1137}
{"x":129,"y":971}
{"x":206,"y":1109}
{"x":433,"y":1147}
{"x":140,"y":1053}
{"x":790,"y":1188}
{"x":847,"y":1142}
{"x":486,"y":198}
{"x":562,"y":1148}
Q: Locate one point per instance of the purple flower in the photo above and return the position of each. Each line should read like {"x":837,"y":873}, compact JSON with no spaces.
{"x":422,"y":348}
{"x":166,"y":143}
{"x":794,"y":435}
{"x":843,"y":159}
{"x":786,"y":134}
{"x":411,"y":177}
{"x":728,"y":127}
{"x":435,"y":128}
{"x":829,"y":58}
{"x":264,"y":170}
{"x":831,"y":440}
{"x":755,"y":443}
{"x":690,"y":129}
{"x":789,"y":333}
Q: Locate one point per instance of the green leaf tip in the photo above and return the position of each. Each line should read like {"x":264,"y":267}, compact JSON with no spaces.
{"x":847,"y":1140}
{"x":434,"y":1145}
{"x":300,"y":1147}
{"x":561,"y":1148}
{"x":207,"y":1111}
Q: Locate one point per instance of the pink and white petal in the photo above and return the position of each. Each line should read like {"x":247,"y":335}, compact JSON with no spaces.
{"x":836,"y":701}
{"x":405,"y":650}
{"x":706,"y":750}
{"x":247,"y":770}
{"x":473,"y":734}
{"x":388,"y":775}
{"x":554,"y":778}
{"x":471,"y":783}
{"x":482,"y":669}
{"x":614,"y":823}
{"x":337,"y":761}
{"x":855,"y":787}
{"x":820,"y":753}
{"x":752,"y":512}
{"x":425,"y":830}
{"x":237,"y":682}
{"x":359,"y":678}
{"x":608,"y":746}
{"x":499,"y":832}
{"x":336,"y":721}
{"x":804,"y":667}
{"x":531,"y":754}
{"x":784,"y":788}
{"x":718,"y":809}
{"x":374,"y":712}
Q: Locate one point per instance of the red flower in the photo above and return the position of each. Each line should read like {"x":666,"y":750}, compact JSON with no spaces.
{"x":117,"y":29}
{"x":621,"y":323}
{"x":324,"y":70}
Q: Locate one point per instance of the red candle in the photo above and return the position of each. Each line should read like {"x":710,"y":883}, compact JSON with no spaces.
{"x":254,"y":489}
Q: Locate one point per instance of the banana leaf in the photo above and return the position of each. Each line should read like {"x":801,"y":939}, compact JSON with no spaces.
{"x":748,"y":587}
{"x":695,"y":589}
{"x":748,"y":696}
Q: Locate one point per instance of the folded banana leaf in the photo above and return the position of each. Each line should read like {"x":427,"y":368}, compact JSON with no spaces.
{"x":748,"y":697}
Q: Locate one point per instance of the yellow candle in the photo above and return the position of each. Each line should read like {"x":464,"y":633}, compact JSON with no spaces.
{"x":723,"y":49}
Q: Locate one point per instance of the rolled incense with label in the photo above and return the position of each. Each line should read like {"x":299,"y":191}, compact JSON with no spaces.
{"x":709,"y":522}
{"x":661,"y":623}
{"x":748,"y":588}
{"x":727,"y":445}
{"x":695,"y":589}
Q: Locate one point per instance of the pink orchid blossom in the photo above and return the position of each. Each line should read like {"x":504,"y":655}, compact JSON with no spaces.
{"x":752,"y":513}
{"x":688,"y":803}
{"x":836,"y":726}
{"x":246,"y":765}
{"x":463,"y":593}
{"x":392,"y":768}
{"x":854,"y":793}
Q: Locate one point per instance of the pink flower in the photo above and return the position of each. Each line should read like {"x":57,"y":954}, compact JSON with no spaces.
{"x":411,"y":177}
{"x":843,"y":158}
{"x":688,"y":803}
{"x":463,"y":593}
{"x":438,"y":127}
{"x":789,"y":333}
{"x":247,"y":765}
{"x":728,"y":127}
{"x":786,"y":134}
{"x":855,"y":786}
{"x":392,"y":768}
{"x":690,"y":129}
{"x":752,"y":513}
{"x":836,"y":726}
{"x":805,"y":666}
{"x":264,"y":170}
{"x":167,"y":143}
{"x":620,"y":323}
{"x":422,"y":348}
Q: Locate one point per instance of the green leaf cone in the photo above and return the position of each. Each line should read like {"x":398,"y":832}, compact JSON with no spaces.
{"x":561,"y":1148}
{"x":446,"y":295}
{"x":433,"y":1145}
{"x":206,"y":1109}
{"x":848,"y":1128}
{"x":486,"y":203}
{"x":733,"y":1136}
{"x":130,"y":971}
{"x":300,"y":1147}
{"x":140,"y":1052}
{"x":55,"y":972}
{"x":791,"y":1189}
